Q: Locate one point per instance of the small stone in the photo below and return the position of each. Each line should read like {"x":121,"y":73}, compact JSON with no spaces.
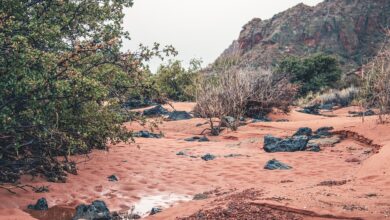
{"x":208,"y":157}
{"x":40,"y":205}
{"x":113,"y":178}
{"x":296,"y":143}
{"x":181,"y":153}
{"x":324,"y":131}
{"x":313,"y":147}
{"x":179,"y":115}
{"x":155,"y":210}
{"x":200,"y":196}
{"x":276,"y":165}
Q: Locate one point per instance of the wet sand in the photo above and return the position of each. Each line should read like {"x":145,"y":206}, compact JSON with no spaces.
{"x":151,"y":169}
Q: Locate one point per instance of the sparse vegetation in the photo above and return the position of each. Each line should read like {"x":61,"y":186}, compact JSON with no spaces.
{"x":334,"y":97}
{"x":376,"y":86}
{"x":313,"y":73}
{"x":238,"y":93}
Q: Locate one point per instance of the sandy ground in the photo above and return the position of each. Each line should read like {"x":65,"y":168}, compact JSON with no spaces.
{"x":149,"y":171}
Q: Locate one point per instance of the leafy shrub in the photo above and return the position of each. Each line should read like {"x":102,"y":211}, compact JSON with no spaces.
{"x":175,"y":82}
{"x":237,"y":93}
{"x":312,"y":73}
{"x":62,"y":79}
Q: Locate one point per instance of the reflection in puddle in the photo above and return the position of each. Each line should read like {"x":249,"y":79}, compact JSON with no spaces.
{"x":55,"y":212}
{"x":146,"y":203}
{"x":142,"y":207}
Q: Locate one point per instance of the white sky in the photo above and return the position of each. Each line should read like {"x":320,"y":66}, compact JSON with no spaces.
{"x":196,"y":28}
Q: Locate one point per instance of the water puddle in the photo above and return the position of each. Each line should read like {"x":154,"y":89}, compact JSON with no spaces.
{"x":146,"y":203}
{"x":142,"y":207}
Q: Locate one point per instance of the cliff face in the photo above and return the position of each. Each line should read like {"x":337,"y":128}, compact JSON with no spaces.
{"x":352,"y":30}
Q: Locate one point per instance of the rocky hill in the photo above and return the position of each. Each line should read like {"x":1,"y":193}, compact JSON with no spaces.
{"x":352,"y":30}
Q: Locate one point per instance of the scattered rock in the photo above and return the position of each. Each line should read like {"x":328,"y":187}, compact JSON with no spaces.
{"x":354,"y":207}
{"x":181,"y":153}
{"x":276,"y":165}
{"x":333,"y":183}
{"x":313,"y":110}
{"x":146,"y":134}
{"x":228,"y":121}
{"x":303,"y":131}
{"x":42,"y":189}
{"x":326,"y":106}
{"x":155,"y":111}
{"x":200,"y":196}
{"x":360,"y":114}
{"x":198,"y":139}
{"x":40,"y":205}
{"x":274,"y":144}
{"x":353,"y":160}
{"x":286,"y":181}
{"x":233,"y":155}
{"x":179,"y":115}
{"x":96,"y":211}
{"x":282,"y":120}
{"x":208,"y":157}
{"x":313,"y":147}
{"x":155,"y":210}
{"x":113,"y":178}
{"x":324,"y":131}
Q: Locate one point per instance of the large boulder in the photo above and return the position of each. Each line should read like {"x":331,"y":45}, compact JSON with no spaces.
{"x":292,"y":144}
{"x":276,"y":165}
{"x":40,"y":205}
{"x":96,"y":211}
{"x":155,"y":111}
{"x":179,"y":115}
{"x":146,"y":134}
{"x":208,"y":157}
{"x":303,"y":131}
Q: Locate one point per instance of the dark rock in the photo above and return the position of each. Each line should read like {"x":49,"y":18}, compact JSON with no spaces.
{"x":276,"y":165}
{"x":40,"y":205}
{"x":113,"y":178}
{"x":42,"y":189}
{"x":326,"y":106}
{"x":200,"y":196}
{"x":233,"y":155}
{"x":96,"y":211}
{"x":146,"y":134}
{"x":360,"y":114}
{"x":179,"y":115}
{"x":198,"y":139}
{"x":181,"y":153}
{"x":282,"y":120}
{"x":208,"y":157}
{"x":228,"y":121}
{"x":313,"y":110}
{"x":155,"y":111}
{"x":303,"y":131}
{"x":155,"y":210}
{"x":296,"y":143}
{"x":261,"y":119}
{"x":324,"y":131}
{"x":313,"y":147}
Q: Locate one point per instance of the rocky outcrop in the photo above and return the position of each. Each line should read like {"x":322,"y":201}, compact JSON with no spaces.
{"x":350,"y":29}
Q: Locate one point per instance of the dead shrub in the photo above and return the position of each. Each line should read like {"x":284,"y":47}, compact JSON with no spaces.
{"x":376,"y":87}
{"x":238,"y":93}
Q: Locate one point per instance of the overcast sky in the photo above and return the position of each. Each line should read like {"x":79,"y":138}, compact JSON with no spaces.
{"x":196,"y":28}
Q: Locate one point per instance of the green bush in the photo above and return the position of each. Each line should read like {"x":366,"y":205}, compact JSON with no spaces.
{"x":177,"y":83}
{"x":313,"y":73}
{"x":62,"y":78}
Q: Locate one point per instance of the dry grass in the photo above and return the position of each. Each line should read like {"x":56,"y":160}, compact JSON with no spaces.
{"x":376,"y":87}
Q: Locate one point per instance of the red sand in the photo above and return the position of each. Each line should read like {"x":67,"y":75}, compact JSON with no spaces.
{"x":150,"y":167}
